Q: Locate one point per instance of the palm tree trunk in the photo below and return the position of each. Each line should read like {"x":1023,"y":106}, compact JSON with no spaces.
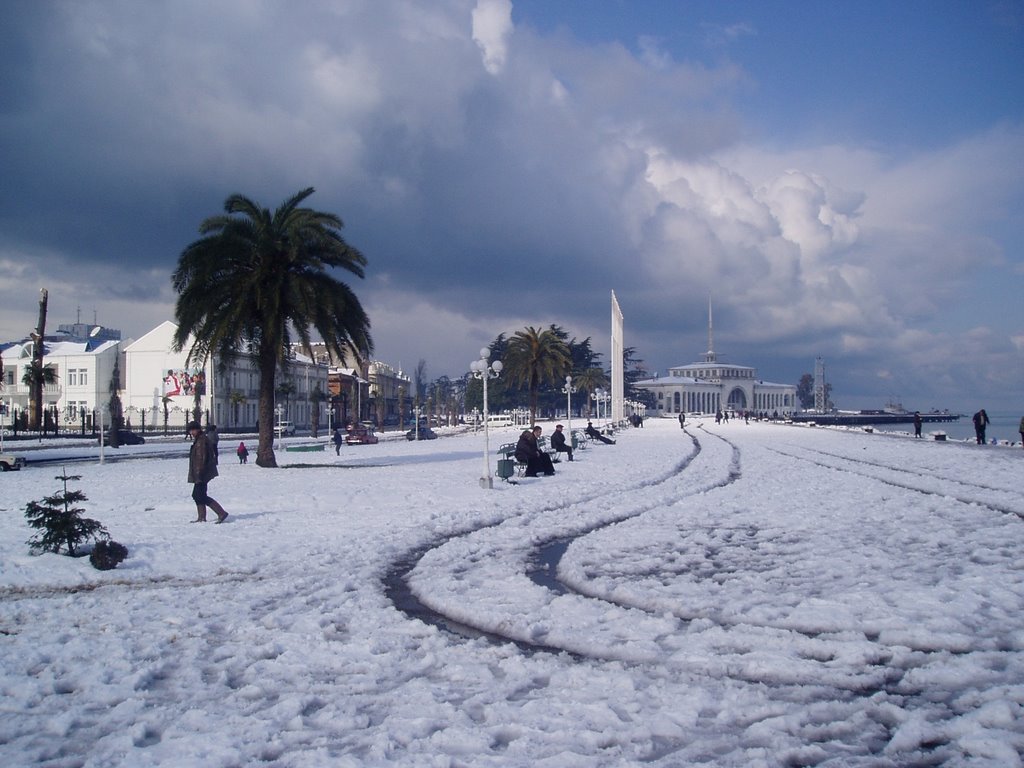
{"x":534,"y":396}
{"x":268,"y":370}
{"x":39,"y":337}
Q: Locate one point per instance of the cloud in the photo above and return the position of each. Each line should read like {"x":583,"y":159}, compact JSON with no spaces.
{"x":495,"y":177}
{"x":492,"y":25}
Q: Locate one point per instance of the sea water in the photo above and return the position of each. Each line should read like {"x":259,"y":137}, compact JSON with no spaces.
{"x":1002,"y":426}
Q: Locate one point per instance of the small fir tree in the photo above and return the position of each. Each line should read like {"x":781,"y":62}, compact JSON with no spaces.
{"x":59,"y":522}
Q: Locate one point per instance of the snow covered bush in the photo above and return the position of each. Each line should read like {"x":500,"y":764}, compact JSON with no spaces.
{"x":61,"y":524}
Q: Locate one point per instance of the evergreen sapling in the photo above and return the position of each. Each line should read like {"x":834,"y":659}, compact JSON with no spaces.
{"x":59,"y":522}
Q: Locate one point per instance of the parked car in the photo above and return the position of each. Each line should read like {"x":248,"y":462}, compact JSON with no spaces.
{"x":361,"y":434}
{"x":284,"y":428}
{"x":426,"y":433}
{"x":11,"y":463}
{"x":124,"y":437}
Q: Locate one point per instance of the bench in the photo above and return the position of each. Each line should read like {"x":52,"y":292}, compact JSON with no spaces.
{"x":508,"y":464}
{"x":543,"y":444}
{"x":305,"y":447}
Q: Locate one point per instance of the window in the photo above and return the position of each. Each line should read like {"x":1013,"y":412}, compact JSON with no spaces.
{"x":83,"y":376}
{"x":72,"y":377}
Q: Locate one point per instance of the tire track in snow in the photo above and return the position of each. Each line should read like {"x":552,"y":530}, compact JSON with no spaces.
{"x":918,"y":471}
{"x":829,"y":679}
{"x":546,"y":555}
{"x":879,"y":676}
{"x":909,"y":486}
{"x":403,"y":596}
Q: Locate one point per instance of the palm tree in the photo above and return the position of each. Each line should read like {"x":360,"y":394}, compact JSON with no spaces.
{"x":535,"y":357}
{"x":316,"y":397}
{"x":35,"y":378}
{"x":589,"y":380}
{"x":254,"y":279}
{"x":236,"y":399}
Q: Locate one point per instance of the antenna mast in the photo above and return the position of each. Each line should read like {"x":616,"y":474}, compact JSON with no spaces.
{"x":709,"y":356}
{"x":820,"y":401}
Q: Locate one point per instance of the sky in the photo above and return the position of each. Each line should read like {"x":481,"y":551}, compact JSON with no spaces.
{"x":839,"y":181}
{"x":731,"y":595}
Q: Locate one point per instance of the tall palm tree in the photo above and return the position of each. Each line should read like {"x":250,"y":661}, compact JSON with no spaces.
{"x":536,"y":357}
{"x":254,"y":279}
{"x":588,"y":381}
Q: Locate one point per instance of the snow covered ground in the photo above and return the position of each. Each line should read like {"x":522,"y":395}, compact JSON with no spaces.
{"x":734,"y":595}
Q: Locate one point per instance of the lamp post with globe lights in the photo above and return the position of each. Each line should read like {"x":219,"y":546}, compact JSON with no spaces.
{"x":598,"y":397}
{"x":483,"y":370}
{"x":568,"y":389}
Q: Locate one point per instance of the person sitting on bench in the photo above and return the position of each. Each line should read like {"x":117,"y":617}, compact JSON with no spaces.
{"x":530,"y":454}
{"x":594,"y":434}
{"x":558,"y":442}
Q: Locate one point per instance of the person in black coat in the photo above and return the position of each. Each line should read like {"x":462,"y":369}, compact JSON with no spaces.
{"x":595,"y":435}
{"x":529,"y":453}
{"x":202,"y":468}
{"x":558,"y":441}
{"x":980,"y":422}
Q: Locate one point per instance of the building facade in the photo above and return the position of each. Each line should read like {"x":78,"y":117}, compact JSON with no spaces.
{"x":389,"y":390}
{"x":160,"y":384}
{"x":364,"y":390}
{"x":84,"y":369}
{"x":710,"y":386}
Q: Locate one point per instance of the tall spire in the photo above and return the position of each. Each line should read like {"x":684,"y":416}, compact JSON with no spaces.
{"x":709,"y":356}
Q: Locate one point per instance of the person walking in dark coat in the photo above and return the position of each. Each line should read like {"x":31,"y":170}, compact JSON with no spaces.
{"x":338,"y":440}
{"x":917,"y":423}
{"x":558,"y":441}
{"x":682,"y":420}
{"x":529,"y":453}
{"x":202,"y":468}
{"x":980,"y":422}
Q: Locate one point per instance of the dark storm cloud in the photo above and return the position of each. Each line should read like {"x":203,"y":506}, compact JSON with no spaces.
{"x":494,"y":177}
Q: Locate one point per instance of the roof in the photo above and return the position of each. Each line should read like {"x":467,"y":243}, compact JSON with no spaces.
{"x":23,"y":349}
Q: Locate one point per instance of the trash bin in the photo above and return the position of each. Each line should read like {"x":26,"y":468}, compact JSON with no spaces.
{"x":506,"y":468}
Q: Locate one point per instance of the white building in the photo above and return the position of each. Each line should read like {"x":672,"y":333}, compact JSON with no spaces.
{"x":228,"y":393}
{"x":83,"y":368}
{"x":710,"y":386}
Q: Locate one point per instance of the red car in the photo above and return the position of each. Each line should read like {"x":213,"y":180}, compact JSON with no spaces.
{"x":360,"y":434}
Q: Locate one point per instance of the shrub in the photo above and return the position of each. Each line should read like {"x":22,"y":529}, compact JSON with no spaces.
{"x":60,"y":523}
{"x":107,"y":554}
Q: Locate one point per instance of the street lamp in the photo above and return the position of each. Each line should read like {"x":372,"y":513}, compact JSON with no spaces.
{"x":568,"y":389}
{"x":480,"y":369}
{"x":598,"y":396}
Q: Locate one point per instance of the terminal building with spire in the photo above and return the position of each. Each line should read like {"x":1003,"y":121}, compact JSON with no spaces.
{"x":709,"y":386}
